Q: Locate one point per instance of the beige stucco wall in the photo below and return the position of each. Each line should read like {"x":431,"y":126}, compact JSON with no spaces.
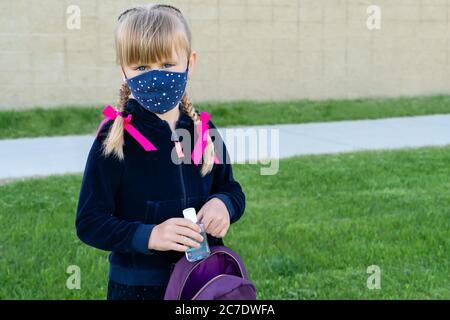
{"x":254,"y":49}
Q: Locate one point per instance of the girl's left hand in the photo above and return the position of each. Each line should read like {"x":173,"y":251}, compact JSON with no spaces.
{"x":214,"y":215}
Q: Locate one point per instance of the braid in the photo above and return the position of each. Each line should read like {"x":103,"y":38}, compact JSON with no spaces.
{"x":208,"y":155}
{"x":189,"y":108}
{"x":114,"y":141}
{"x":123,"y":96}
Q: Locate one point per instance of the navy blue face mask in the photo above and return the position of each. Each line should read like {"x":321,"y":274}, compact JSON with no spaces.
{"x":158,"y":91}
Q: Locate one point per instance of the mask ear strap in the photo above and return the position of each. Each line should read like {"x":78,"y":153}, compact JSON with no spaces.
{"x":124,"y":79}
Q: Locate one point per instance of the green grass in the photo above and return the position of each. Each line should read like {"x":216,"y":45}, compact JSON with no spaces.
{"x":84,"y":120}
{"x":309,"y":232}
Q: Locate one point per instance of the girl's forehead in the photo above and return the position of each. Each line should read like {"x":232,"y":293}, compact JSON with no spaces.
{"x":175,"y":57}
{"x":134,"y":49}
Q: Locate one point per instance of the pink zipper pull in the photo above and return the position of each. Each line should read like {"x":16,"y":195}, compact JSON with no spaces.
{"x":179,"y":149}
{"x":177,"y":143}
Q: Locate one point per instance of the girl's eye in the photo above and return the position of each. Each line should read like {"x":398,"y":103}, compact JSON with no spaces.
{"x":143,"y":68}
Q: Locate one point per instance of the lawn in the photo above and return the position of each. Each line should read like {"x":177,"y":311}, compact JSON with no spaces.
{"x":68,"y":120}
{"x":309,"y":232}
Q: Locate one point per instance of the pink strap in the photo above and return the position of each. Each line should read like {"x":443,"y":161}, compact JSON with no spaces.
{"x":200,"y":145}
{"x":111,"y":114}
{"x":179,"y":149}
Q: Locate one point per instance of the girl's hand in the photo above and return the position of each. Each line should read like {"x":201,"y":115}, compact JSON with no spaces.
{"x":175,"y":234}
{"x":214,"y":215}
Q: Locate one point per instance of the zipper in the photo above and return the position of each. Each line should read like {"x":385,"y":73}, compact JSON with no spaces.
{"x":174,"y":138}
{"x":195,"y":266}
{"x":182,"y":184}
{"x":206,"y":284}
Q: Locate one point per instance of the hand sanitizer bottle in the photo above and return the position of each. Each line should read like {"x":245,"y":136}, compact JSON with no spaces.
{"x":195,"y":254}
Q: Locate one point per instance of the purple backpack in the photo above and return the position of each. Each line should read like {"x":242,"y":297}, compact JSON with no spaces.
{"x":220,"y":276}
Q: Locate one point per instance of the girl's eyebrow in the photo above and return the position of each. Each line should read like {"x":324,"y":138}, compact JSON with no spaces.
{"x":147,"y":64}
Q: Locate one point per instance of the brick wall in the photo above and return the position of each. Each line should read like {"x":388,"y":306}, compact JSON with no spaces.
{"x":247,"y":49}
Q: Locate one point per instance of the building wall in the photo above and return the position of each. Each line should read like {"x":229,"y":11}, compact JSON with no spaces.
{"x":247,"y":50}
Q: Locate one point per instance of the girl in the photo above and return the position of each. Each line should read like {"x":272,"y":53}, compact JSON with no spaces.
{"x":134,"y":189}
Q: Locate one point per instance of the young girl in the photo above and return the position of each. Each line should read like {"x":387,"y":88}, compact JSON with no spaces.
{"x":133,"y":192}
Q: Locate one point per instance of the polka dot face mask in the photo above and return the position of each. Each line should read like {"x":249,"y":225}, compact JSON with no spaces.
{"x":157,"y":90}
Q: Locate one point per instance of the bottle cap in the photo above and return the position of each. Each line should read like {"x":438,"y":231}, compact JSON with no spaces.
{"x":189,"y":213}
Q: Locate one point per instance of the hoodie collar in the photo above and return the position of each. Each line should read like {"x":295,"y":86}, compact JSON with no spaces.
{"x":142,"y":114}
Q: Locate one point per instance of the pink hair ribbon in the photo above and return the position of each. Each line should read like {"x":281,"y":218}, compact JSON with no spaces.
{"x":111,"y":114}
{"x":200,"y":145}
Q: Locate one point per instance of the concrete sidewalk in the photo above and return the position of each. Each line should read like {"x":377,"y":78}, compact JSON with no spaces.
{"x":32,"y":157}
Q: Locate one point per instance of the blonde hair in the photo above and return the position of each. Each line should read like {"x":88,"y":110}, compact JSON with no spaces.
{"x":148,"y":34}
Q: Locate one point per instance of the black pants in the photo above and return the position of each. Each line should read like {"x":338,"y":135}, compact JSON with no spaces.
{"x":118,"y":291}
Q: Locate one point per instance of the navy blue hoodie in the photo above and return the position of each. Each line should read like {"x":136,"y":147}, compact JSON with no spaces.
{"x":121,"y":201}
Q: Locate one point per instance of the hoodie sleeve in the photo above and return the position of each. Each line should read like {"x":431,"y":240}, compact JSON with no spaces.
{"x":224,"y":186}
{"x":95,"y":222}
